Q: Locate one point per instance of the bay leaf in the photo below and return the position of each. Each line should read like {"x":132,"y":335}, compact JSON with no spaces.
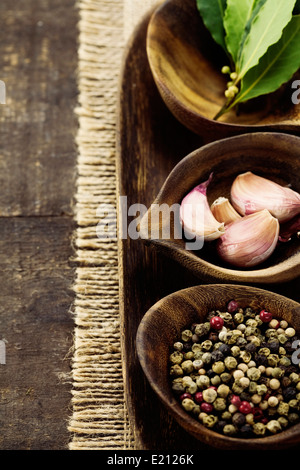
{"x":276,"y":67}
{"x":237,"y":16}
{"x":212,"y":13}
{"x":266,"y":29}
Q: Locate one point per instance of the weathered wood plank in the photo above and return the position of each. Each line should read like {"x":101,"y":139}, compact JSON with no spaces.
{"x":38,"y":64}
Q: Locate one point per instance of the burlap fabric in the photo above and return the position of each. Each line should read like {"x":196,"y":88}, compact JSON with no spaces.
{"x":99,"y":418}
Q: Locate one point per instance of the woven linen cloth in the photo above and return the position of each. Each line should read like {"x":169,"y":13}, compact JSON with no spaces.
{"x":99,"y":418}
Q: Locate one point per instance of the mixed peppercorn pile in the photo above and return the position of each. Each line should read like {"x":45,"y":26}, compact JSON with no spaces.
{"x":238,"y":372}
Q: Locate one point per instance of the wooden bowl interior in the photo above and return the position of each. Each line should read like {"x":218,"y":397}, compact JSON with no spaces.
{"x":161,"y":327}
{"x":186,"y":65}
{"x":271,"y":155}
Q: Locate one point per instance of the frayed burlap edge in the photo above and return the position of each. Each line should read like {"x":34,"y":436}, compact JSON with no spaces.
{"x":99,"y":417}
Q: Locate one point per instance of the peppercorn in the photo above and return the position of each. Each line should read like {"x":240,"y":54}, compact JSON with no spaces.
{"x":238,"y":419}
{"x":289,"y":393}
{"x":218,"y":367}
{"x":229,"y":430}
{"x":259,"y":429}
{"x":253,"y":373}
{"x":176,"y":370}
{"x":246,"y":430}
{"x":224,"y":349}
{"x":209,"y":420}
{"x":273,"y":426}
{"x":251,"y":360}
{"x":283,"y":408}
{"x":230,"y":362}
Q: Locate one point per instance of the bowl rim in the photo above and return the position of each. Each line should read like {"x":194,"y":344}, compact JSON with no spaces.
{"x":284,"y":125}
{"x":181,"y":416}
{"x":260,"y":275}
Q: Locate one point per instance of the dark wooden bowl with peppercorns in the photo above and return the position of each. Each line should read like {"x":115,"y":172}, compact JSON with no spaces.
{"x":162,"y":327}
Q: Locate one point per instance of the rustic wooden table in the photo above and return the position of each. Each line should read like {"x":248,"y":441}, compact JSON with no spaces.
{"x":37,"y":178}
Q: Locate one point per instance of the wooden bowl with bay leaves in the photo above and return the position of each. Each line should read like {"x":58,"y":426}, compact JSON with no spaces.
{"x":273,"y":155}
{"x":186,"y":65}
{"x":162,"y":325}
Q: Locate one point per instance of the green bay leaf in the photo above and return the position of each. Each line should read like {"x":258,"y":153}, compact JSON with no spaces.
{"x":237,"y":16}
{"x":266,"y":29}
{"x":212,"y":13}
{"x":276,"y":67}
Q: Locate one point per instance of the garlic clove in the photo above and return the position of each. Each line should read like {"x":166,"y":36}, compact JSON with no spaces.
{"x":196,"y":217}
{"x":223,"y":211}
{"x":250,"y":240}
{"x":252,"y":193}
{"x":288,"y":229}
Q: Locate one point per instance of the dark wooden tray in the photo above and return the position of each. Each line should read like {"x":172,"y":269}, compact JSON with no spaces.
{"x":149,"y":144}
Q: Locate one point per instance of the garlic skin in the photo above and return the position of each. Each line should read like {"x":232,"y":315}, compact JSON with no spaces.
{"x":252,"y":193}
{"x":223,"y":211}
{"x":196,"y":217}
{"x":250,"y":240}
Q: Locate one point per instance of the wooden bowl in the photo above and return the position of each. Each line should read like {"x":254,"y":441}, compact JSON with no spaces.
{"x":161,"y":327}
{"x":186,"y":66}
{"x":273,"y":155}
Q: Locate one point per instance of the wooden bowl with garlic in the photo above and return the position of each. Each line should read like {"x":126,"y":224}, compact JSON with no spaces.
{"x":254,"y":180}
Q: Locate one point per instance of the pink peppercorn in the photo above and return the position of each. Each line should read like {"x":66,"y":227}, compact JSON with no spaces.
{"x":198,"y":397}
{"x":257,"y":413}
{"x":245,"y":407}
{"x":185,"y":395}
{"x":235,"y":400}
{"x":206,"y":407}
{"x":265,"y":316}
{"x":217,"y":323}
{"x":232,"y":306}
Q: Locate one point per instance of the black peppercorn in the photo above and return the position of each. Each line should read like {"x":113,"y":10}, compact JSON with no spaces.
{"x":261,"y":360}
{"x":273,"y":345}
{"x":225,"y":349}
{"x":246,"y":430}
{"x":250,"y":347}
{"x":238,"y":419}
{"x":289,"y":393}
{"x":217,"y":355}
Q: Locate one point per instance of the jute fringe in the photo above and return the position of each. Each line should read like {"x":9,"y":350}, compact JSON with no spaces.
{"x":99,"y":417}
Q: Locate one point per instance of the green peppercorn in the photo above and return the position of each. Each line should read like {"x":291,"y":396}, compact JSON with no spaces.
{"x":188,"y":355}
{"x":187,"y":366}
{"x":230,"y":362}
{"x":176,"y":370}
{"x":274,"y":426}
{"x":209,"y":395}
{"x":209,"y":421}
{"x":188,"y":404}
{"x":218,"y":367}
{"x":225,"y":377}
{"x":220,"y":404}
{"x":283,"y":408}
{"x":277,"y":372}
{"x":186,"y":336}
{"x":273,"y":360}
{"x":176,"y":357}
{"x":178,"y":346}
{"x":259,"y":429}
{"x":229,"y":430}
{"x":206,"y":345}
{"x":223,"y":390}
{"x":253,"y":373}
{"x":202,"y":329}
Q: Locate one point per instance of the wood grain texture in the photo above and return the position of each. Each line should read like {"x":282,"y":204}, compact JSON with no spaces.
{"x":150,"y":143}
{"x":186,"y":65}
{"x":275,"y":156}
{"x":37,"y":174}
{"x":162,"y":326}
